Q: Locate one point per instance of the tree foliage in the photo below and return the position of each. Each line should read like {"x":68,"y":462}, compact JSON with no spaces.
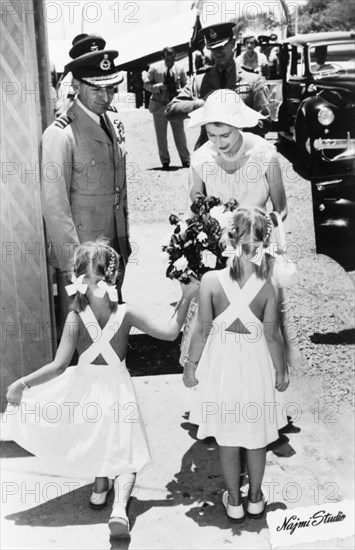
{"x":326,"y":15}
{"x":258,"y":24}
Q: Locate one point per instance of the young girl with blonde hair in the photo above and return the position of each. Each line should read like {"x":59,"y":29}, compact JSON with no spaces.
{"x":85,"y":419}
{"x":236,"y":359}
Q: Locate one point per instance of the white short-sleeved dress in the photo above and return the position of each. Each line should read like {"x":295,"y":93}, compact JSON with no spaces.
{"x":247,"y":183}
{"x":86,"y":422}
{"x":235,"y":400}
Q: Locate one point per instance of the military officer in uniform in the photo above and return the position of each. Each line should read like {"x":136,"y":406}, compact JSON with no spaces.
{"x":84,"y":193}
{"x":225,"y":73}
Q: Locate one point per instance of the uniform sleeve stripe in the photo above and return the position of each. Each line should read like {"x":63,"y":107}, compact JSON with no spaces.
{"x":62,"y":122}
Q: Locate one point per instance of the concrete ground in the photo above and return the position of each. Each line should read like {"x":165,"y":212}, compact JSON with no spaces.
{"x":177,"y":500}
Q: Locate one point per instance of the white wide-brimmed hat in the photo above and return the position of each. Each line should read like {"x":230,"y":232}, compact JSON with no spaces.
{"x":227,"y":107}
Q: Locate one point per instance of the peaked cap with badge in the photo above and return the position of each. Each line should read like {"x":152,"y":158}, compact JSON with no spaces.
{"x":217,"y":35}
{"x":92,"y":64}
{"x":86,"y":43}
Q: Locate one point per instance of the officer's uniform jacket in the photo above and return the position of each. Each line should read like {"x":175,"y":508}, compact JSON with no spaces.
{"x":251,"y":87}
{"x":156,"y":75}
{"x":83,"y":177}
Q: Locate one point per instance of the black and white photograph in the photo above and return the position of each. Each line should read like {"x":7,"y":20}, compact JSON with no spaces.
{"x":177,"y":274}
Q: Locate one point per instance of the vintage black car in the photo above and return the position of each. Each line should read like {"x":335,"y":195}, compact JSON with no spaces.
{"x":318,"y":107}
{"x":316,"y":118}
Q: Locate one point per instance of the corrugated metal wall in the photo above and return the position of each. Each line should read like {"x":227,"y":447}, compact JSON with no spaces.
{"x":26,"y":325}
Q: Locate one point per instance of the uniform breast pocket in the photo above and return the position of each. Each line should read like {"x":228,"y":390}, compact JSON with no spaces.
{"x":89,"y":222}
{"x":90,"y":171}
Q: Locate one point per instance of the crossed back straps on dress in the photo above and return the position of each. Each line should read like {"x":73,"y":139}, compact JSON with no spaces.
{"x":101,"y":337}
{"x":239,"y":300}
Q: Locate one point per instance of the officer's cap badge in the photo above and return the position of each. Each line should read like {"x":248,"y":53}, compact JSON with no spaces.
{"x":105,"y":64}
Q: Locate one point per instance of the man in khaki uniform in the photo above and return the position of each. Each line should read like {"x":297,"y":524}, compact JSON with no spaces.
{"x":225,"y":73}
{"x":84,"y":192}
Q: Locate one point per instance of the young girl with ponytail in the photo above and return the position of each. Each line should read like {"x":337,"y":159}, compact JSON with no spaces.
{"x":236,"y":359}
{"x":85,"y":420}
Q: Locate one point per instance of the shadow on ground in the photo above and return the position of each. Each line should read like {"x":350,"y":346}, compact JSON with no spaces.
{"x":170,"y":169}
{"x":10,"y":449}
{"x":346,"y":336}
{"x":149,"y":356}
{"x":198,"y":486}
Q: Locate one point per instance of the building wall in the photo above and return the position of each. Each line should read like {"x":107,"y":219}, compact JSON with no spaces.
{"x":27,"y":340}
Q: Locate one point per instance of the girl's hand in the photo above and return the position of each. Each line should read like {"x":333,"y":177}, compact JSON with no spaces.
{"x":189,"y":376}
{"x":282,"y":381}
{"x":14,"y":393}
{"x":190,"y":290}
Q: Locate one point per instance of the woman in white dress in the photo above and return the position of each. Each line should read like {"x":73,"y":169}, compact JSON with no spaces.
{"x":234,"y":164}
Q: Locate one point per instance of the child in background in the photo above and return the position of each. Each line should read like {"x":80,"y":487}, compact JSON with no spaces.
{"x":236,"y":357}
{"x":86,"y":418}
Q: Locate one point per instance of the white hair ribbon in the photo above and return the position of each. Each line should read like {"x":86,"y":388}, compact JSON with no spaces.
{"x":77,"y":286}
{"x":103,"y":287}
{"x":261,"y":251}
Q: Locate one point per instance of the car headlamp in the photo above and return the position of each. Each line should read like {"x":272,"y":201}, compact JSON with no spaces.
{"x":326,"y":116}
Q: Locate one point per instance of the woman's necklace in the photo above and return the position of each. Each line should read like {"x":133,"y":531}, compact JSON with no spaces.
{"x":250,"y":60}
{"x":253,"y":54}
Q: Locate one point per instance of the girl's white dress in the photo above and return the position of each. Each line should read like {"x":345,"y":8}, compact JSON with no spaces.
{"x":87,"y":421}
{"x":234,"y":400}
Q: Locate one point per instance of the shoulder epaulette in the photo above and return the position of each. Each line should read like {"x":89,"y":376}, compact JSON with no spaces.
{"x":112,"y":108}
{"x":62,"y":121}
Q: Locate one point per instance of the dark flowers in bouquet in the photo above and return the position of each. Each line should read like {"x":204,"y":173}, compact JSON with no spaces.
{"x":194,"y":246}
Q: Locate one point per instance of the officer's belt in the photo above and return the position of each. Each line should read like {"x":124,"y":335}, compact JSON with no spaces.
{"x":92,"y":200}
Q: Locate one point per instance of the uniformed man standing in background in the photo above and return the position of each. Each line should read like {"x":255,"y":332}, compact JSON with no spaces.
{"x":84,"y":194}
{"x":225,"y":73}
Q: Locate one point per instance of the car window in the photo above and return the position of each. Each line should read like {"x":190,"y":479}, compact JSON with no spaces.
{"x":332,"y":57}
{"x":296,"y":67}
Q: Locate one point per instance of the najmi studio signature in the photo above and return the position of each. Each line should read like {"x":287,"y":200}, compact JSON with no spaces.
{"x":322,"y":517}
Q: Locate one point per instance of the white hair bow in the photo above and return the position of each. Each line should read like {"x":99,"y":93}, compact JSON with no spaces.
{"x":236,"y":252}
{"x":103,"y":287}
{"x":261,"y":251}
{"x":77,"y":286}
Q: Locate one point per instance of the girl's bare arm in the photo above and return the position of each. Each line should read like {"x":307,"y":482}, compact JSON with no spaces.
{"x":275,"y":341}
{"x":162,"y":328}
{"x":55,"y":368}
{"x":201,"y":330}
{"x":276,"y":186}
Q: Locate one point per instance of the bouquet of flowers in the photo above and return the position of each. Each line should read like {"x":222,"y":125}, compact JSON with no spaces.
{"x":194,"y":246}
